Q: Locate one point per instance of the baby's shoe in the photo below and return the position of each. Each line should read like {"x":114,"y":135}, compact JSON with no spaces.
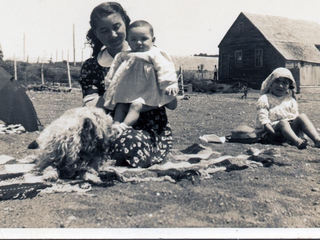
{"x":118,"y":129}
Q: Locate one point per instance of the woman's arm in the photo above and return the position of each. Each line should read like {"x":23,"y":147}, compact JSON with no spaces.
{"x":91,"y":80}
{"x":173,"y":104}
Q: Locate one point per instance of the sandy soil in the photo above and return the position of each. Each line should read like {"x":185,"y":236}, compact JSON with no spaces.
{"x":283,"y":195}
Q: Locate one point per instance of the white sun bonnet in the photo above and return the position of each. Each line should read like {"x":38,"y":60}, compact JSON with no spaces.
{"x":277,"y":73}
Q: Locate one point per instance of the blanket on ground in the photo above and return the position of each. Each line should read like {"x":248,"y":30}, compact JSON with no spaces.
{"x":18,"y":180}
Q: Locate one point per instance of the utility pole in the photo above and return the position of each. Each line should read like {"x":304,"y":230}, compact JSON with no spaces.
{"x":74,"y":47}
{"x":82,"y":54}
{"x":15,"y":67}
{"x":1,"y":53}
{"x":24,"y":47}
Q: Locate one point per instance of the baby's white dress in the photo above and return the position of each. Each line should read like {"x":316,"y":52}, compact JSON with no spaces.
{"x":140,"y":76}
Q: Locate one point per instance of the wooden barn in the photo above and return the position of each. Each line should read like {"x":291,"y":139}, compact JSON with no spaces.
{"x":257,"y":44}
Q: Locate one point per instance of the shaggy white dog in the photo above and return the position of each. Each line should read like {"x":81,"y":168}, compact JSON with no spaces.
{"x":75,"y":144}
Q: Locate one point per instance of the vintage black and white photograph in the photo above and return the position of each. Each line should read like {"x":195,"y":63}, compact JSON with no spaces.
{"x":218,"y":136}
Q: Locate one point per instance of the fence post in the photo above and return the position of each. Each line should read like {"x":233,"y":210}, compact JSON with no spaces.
{"x":68,"y":68}
{"x":42,"y":76}
{"x":180,"y":83}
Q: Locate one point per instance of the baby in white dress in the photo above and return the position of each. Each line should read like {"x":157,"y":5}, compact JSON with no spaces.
{"x":141,"y":79}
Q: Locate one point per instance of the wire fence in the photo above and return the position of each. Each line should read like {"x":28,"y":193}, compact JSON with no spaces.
{"x":44,"y":72}
{"x":38,"y":59}
{"x":29,"y":59}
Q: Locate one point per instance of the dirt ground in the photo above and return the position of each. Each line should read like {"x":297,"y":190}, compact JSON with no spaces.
{"x":283,"y":195}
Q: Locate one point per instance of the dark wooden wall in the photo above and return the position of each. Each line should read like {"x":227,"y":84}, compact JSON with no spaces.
{"x":247,"y":41}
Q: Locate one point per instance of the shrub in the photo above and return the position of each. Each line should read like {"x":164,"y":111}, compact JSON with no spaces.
{"x":234,"y":88}
{"x":207,"y":86}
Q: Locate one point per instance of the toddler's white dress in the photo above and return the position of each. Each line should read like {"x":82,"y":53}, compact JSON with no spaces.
{"x":140,"y":76}
{"x":271,"y":109}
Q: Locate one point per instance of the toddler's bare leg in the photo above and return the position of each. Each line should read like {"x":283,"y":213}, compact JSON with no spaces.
{"x":286,"y":130}
{"x":303,"y":122}
{"x":120,"y":112}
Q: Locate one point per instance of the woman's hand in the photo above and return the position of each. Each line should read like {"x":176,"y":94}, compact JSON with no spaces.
{"x":94,"y":100}
{"x":173,"y":104}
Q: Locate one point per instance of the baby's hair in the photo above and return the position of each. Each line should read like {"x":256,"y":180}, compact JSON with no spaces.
{"x":103,"y":10}
{"x":141,"y":23}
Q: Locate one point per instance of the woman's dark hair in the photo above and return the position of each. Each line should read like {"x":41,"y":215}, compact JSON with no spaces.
{"x":103,"y":10}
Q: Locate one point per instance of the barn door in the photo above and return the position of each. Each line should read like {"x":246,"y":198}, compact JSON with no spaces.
{"x":225,"y":66}
{"x":296,"y":75}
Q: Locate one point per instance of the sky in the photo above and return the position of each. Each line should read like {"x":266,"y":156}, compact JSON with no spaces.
{"x":44,"y":28}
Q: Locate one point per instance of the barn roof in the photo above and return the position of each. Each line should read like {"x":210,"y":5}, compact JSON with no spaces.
{"x":294,"y":39}
{"x":298,"y":51}
{"x":281,"y":29}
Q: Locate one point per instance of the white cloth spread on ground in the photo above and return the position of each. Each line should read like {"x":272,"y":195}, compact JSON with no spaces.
{"x":12,"y":128}
{"x":18,"y":180}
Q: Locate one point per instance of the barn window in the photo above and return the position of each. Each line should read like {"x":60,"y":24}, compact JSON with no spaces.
{"x":238,"y":57}
{"x":258,"y":57}
{"x":241,"y":27}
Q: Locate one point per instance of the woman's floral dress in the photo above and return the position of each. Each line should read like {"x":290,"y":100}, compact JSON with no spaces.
{"x":149,"y":141}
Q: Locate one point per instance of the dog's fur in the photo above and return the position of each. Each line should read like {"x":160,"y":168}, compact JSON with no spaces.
{"x":75,"y":144}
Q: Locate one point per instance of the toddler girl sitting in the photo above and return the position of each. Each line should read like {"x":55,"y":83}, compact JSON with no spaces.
{"x":278,"y":118}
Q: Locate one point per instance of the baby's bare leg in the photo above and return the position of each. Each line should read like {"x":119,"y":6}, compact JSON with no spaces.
{"x":134,"y":112}
{"x":120,"y":112}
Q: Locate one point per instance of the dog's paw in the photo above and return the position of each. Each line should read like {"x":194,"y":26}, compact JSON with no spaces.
{"x":50,"y":174}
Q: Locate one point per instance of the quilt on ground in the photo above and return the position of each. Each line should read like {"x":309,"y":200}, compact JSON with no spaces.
{"x":18,"y":180}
